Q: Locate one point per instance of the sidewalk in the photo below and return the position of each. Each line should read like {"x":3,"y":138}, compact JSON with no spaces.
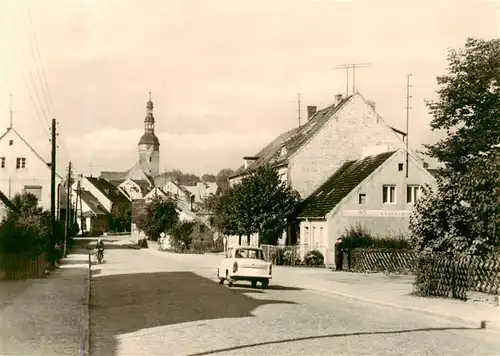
{"x":392,"y":291}
{"x":47,"y":316}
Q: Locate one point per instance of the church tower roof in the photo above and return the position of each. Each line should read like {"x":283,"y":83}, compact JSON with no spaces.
{"x":149,"y":137}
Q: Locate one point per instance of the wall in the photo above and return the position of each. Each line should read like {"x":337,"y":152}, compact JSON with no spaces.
{"x":132,"y":189}
{"x":313,"y":236}
{"x":341,"y":139}
{"x":85,"y":184}
{"x":147,"y":152}
{"x":36,"y":173}
{"x":372,"y":187}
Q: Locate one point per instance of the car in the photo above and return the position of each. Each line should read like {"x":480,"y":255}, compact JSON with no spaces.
{"x":244,"y":263}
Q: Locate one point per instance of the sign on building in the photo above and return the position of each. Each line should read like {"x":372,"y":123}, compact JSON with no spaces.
{"x":377,"y":213}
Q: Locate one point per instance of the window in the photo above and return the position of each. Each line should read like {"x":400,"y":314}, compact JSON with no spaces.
{"x":21,"y":163}
{"x":202,"y":229}
{"x":2,"y":162}
{"x":362,"y":199}
{"x":150,"y":159}
{"x":36,"y":190}
{"x":306,"y":235}
{"x":400,"y":167}
{"x":412,"y":193}
{"x":389,"y":194}
{"x":11,"y":142}
{"x":283,"y":151}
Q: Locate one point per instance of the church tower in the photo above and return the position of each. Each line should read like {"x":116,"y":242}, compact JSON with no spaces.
{"x":149,"y":145}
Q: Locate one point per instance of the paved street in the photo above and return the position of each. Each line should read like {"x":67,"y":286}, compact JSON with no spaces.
{"x":153,"y":303}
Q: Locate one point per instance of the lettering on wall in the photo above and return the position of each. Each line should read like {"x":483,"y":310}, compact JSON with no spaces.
{"x":377,"y":213}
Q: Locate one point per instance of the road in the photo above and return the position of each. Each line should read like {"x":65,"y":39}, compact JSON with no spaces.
{"x":154,"y":303}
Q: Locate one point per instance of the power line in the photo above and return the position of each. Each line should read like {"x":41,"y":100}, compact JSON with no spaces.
{"x":353,"y":66}
{"x":408,"y":107}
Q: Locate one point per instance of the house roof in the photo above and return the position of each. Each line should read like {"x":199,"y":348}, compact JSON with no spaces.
{"x":341,"y":183}
{"x":294,"y":139}
{"x":109,"y":190}
{"x":134,"y":173}
{"x":93,"y":203}
{"x":29,"y":146}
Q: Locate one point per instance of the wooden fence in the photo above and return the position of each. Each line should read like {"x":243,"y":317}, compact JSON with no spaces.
{"x":380,"y":260}
{"x":22,"y":266}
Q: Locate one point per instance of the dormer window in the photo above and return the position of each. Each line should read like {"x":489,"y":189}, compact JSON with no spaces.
{"x":283,"y":151}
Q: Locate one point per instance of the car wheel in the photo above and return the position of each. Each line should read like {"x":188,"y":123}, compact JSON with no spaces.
{"x":229,"y":280}
{"x":254,"y":284}
{"x":265,"y":284}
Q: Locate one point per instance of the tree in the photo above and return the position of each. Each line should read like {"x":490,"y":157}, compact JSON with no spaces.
{"x":462,"y":215}
{"x":210,"y":178}
{"x":468,"y":104}
{"x":262,"y":204}
{"x":121,"y":218}
{"x":181,"y":235}
{"x":26,"y":230}
{"x":219,"y":209}
{"x":160,"y":215}
{"x":225,"y":173}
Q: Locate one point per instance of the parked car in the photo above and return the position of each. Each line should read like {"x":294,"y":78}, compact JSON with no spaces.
{"x":244,"y":263}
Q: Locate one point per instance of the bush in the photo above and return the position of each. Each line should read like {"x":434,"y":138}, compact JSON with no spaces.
{"x":314,"y":258}
{"x":284,"y":257}
{"x":359,"y":237}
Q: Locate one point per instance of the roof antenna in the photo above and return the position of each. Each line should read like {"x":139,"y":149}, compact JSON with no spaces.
{"x":10,"y":112}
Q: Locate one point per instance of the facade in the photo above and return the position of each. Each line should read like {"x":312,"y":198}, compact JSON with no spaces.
{"x":148,"y":163}
{"x":372,"y":191}
{"x":306,"y":156}
{"x":22,"y":169}
{"x":135,"y":188}
{"x":93,"y":214}
{"x":202,"y":190}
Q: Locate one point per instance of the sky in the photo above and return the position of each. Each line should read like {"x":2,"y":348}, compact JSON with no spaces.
{"x":224,"y":75}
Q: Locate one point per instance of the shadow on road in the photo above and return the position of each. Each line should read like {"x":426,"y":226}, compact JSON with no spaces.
{"x":240,"y":347}
{"x":123,"y":304}
{"x":271,"y":287}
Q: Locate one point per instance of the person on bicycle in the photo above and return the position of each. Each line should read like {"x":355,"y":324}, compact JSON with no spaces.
{"x":100,"y":247}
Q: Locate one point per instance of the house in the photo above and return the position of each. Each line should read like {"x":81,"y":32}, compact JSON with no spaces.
{"x":372,"y":191}
{"x":180,"y":193}
{"x":307,"y":155}
{"x":93,"y":214}
{"x":101,"y":197}
{"x":202,"y":190}
{"x":134,"y":188}
{"x":22,"y":169}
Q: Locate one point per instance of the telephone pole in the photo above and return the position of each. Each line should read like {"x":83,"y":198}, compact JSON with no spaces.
{"x":68,"y":207}
{"x":82,"y":223}
{"x":353,"y":66}
{"x":408,"y":107}
{"x":298,"y":103}
{"x":53,"y":184}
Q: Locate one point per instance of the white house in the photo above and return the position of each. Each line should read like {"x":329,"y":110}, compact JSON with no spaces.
{"x":372,"y":191}
{"x":22,"y":169}
{"x":135,"y":189}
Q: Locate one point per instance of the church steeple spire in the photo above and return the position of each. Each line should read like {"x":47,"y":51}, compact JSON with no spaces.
{"x":149,"y":121}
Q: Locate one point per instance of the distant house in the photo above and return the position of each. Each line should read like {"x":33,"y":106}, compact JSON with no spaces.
{"x":372,"y":191}
{"x":23,"y":170}
{"x":94,"y":215}
{"x":202,"y":190}
{"x":180,"y":193}
{"x":135,"y":188}
{"x":102,"y":197}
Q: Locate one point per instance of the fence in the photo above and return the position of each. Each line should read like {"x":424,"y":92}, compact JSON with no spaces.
{"x":22,"y":266}
{"x":282,"y":255}
{"x":380,"y":260}
{"x":452,"y":277}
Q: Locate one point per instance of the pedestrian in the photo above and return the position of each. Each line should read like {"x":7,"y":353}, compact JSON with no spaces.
{"x":338,"y":254}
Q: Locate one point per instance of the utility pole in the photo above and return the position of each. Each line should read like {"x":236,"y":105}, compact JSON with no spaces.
{"x":298,"y":102}
{"x":53,"y":184}
{"x":407,"y":118}
{"x":82,"y":224}
{"x":68,"y":207}
{"x":353,"y":66}
{"x":10,"y":112}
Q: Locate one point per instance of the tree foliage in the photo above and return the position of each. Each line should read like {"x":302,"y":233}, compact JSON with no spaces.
{"x":181,"y":235}
{"x":463,"y":214}
{"x":467,"y":107}
{"x":25,"y":230}
{"x":121,"y":218}
{"x":261,"y":203}
{"x":160,"y":215}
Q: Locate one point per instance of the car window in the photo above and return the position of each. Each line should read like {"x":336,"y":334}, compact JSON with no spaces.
{"x":250,"y":253}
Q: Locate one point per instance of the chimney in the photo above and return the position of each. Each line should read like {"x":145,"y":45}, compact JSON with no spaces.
{"x":311,"y":110}
{"x":338,"y":99}
{"x":247,"y":161}
{"x":371,"y":103}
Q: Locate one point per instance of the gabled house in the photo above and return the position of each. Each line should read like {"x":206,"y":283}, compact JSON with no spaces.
{"x":134,"y":188}
{"x":22,"y":169}
{"x":94,"y":215}
{"x":372,"y":191}
{"x":307,"y":155}
{"x":180,"y":193}
{"x":202,"y":190}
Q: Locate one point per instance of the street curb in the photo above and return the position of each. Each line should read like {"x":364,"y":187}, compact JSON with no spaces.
{"x":482,"y":324}
{"x":85,"y":333}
